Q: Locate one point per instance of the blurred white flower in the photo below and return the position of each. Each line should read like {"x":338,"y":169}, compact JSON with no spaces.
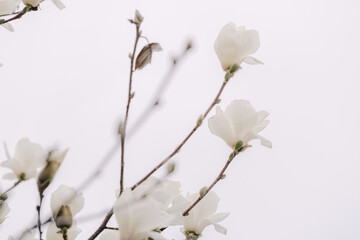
{"x":4,"y":210}
{"x":58,"y":4}
{"x":27,"y":158}
{"x":234,"y":45}
{"x":9,"y":27}
{"x":33,"y":3}
{"x":8,"y":6}
{"x":52,"y":232}
{"x":239,"y":122}
{"x":137,"y":218}
{"x":203,"y":214}
{"x":163,"y":191}
{"x":65,"y":204}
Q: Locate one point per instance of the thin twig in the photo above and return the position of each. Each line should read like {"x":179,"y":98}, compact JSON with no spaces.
{"x":159,"y":92}
{"x":38,"y":208}
{"x":213,"y":103}
{"x":112,"y":228}
{"x":218,"y":178}
{"x":25,"y":10}
{"x":3,"y":195}
{"x":130,"y":96}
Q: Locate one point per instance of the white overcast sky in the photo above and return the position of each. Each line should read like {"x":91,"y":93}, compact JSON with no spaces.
{"x":64,"y":83}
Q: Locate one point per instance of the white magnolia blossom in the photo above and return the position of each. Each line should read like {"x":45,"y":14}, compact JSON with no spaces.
{"x":137,"y":218}
{"x":35,"y":3}
{"x":4,"y":211}
{"x":239,"y":122}
{"x":234,"y":45}
{"x":52,"y":232}
{"x":67,"y":197}
{"x":8,"y":6}
{"x":164,"y":192}
{"x":203,"y":214}
{"x":27,"y":159}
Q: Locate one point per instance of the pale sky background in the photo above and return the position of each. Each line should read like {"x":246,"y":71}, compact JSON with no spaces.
{"x":64,"y":83}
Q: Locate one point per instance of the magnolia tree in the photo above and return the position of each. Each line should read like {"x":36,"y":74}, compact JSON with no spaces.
{"x":152,"y":205}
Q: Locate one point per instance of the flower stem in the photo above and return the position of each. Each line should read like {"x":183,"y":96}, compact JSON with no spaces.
{"x":64,"y":233}
{"x":218,"y":178}
{"x":3,"y":195}
{"x":38,"y":208}
{"x":25,"y":10}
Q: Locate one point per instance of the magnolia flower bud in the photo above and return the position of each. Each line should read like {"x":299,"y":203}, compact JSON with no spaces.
{"x":138,"y":17}
{"x":239,"y":124}
{"x":33,"y":3}
{"x":65,"y":204}
{"x":64,"y":218}
{"x":145,"y":55}
{"x":47,"y":174}
{"x":235,"y":45}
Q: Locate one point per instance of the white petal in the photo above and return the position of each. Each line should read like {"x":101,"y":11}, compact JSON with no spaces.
{"x":156,"y":236}
{"x":4,"y":211}
{"x":242,"y":117}
{"x":67,"y":196}
{"x":8,"y":6}
{"x":14,"y":165}
{"x":251,"y":135}
{"x":219,"y":217}
{"x":27,"y":235}
{"x":30,"y":155}
{"x":52,"y":232}
{"x":110,"y":235}
{"x":10,"y":176}
{"x":220,"y":127}
{"x":219,"y":228}
{"x":252,"y":61}
{"x":58,"y":4}
{"x":8,"y":26}
{"x":58,"y":155}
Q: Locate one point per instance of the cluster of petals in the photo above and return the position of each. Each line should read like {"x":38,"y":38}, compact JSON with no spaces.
{"x":137,"y":218}
{"x":27,"y":159}
{"x":234,"y":45}
{"x":239,"y":122}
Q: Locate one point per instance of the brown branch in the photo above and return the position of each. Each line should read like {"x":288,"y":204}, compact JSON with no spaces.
{"x":130,"y":96}
{"x":3,"y":195}
{"x":213,"y":103}
{"x":19,"y":15}
{"x":159,"y":92}
{"x":218,"y":178}
{"x":38,"y":208}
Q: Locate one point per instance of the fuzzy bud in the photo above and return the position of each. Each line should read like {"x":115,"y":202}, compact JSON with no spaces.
{"x":64,"y":218}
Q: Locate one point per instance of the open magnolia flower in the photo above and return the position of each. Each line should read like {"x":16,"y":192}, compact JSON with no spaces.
{"x":35,"y":3}
{"x":4,"y":210}
{"x":239,"y":122}
{"x":52,"y":232}
{"x":27,"y":159}
{"x":65,"y":204}
{"x":203,"y":214}
{"x":234,"y":45}
{"x":137,"y":218}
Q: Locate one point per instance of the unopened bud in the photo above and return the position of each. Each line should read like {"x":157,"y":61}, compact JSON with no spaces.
{"x":218,"y":101}
{"x":202,"y":191}
{"x":64,"y":218}
{"x":170,"y":167}
{"x":189,"y":45}
{"x":138,"y":17}
{"x":200,"y":120}
{"x":47,"y":175}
